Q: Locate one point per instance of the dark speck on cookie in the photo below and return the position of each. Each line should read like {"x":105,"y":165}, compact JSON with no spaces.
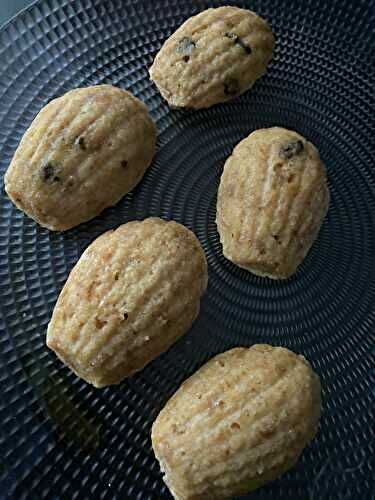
{"x":238,"y":41}
{"x":81,"y":143}
{"x":231,"y":87}
{"x":290,"y":149}
{"x":48,"y":171}
{"x":185,"y":45}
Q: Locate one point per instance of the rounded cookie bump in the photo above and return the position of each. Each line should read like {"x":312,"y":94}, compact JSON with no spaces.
{"x":83,"y":152}
{"x":240,"y":421}
{"x":213,"y":57}
{"x":132,"y":294}
{"x":272,"y":199}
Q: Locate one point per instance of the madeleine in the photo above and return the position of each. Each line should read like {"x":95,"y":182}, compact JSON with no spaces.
{"x":83,"y":152}
{"x":131,"y":295}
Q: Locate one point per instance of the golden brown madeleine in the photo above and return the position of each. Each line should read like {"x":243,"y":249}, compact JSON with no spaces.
{"x":83,"y":152}
{"x":240,"y":421}
{"x":272,"y":199}
{"x":132,"y":294}
{"x":213,"y":57}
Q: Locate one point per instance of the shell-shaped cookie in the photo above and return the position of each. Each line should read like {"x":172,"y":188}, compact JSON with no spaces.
{"x":132,"y":294}
{"x":240,"y":421}
{"x":213,"y":57}
{"x":83,"y":152}
{"x":272,"y":199}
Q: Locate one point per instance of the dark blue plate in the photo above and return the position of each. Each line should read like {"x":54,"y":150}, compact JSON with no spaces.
{"x":59,"y":437}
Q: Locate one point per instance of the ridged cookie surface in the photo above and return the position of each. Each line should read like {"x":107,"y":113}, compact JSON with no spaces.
{"x":213,"y":57}
{"x":240,"y":421}
{"x":132,"y":294}
{"x":272,"y":198}
{"x":83,"y":152}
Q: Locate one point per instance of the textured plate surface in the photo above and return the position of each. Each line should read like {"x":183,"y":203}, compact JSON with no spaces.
{"x":60,"y":438}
